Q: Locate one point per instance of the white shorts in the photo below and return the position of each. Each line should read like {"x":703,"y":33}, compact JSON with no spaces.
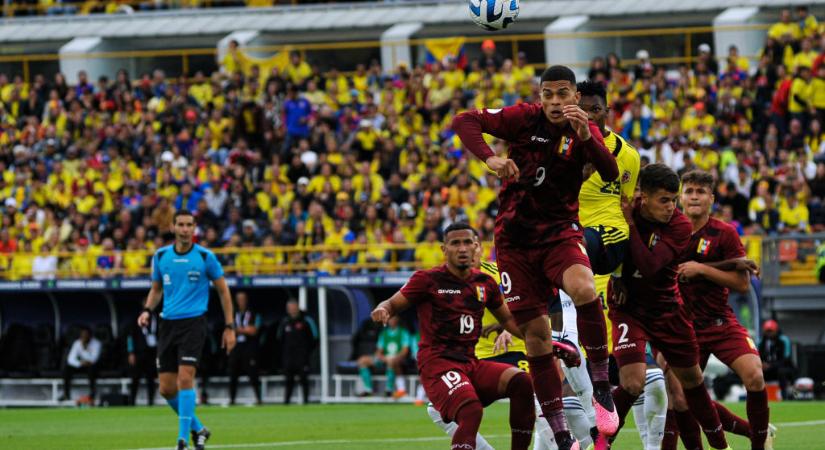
{"x":570,"y":331}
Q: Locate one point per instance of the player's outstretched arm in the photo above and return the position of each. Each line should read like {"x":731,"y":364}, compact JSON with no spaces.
{"x":505,"y":318}
{"x":736,"y":280}
{"x":226,"y":302}
{"x":390,"y":307}
{"x":152,"y":301}
{"x":737,"y":264}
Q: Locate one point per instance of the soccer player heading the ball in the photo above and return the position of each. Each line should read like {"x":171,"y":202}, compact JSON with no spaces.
{"x":538,"y":237}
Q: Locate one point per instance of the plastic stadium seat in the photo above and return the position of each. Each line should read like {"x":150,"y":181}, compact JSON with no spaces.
{"x":788,"y":250}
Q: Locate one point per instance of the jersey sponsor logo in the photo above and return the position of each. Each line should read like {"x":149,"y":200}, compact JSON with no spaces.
{"x":704,"y":247}
{"x":539,"y":139}
{"x":480,"y":293}
{"x":189,"y":358}
{"x":180,"y":260}
{"x":449,"y":291}
{"x":514,"y":298}
{"x":624,"y":346}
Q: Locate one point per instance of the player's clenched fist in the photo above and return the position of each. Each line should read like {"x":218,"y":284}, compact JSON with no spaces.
{"x":503,"y":167}
{"x":380,"y":314}
{"x":578,"y":120}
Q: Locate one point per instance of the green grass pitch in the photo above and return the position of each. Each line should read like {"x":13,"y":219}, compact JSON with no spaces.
{"x":340,"y":427}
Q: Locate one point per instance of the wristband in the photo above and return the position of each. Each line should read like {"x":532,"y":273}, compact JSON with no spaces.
{"x":229,"y":326}
{"x":146,"y":309}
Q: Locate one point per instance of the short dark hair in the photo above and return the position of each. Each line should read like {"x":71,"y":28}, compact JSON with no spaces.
{"x":701,"y":178}
{"x":181,"y":212}
{"x":559,"y":73}
{"x":590,"y":88}
{"x":458,"y":226}
{"x":658,"y":176}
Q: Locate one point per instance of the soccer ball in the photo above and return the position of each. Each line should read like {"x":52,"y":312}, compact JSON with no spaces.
{"x":494,"y":15}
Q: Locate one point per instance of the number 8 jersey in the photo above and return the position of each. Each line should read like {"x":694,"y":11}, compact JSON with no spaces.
{"x":449,"y":311}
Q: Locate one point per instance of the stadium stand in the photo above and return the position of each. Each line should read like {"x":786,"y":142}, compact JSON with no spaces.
{"x":296,"y":166}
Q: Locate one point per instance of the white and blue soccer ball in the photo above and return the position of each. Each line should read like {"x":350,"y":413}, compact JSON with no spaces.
{"x":494,"y":15}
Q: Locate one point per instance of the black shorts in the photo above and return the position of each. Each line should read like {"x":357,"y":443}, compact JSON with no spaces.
{"x":180,"y":342}
{"x":606,"y":247}
{"x":515,"y":359}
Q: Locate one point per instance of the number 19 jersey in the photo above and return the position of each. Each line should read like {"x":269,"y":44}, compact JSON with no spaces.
{"x":450,"y":311}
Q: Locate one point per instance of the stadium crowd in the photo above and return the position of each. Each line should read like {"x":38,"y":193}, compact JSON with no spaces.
{"x":91,"y":173}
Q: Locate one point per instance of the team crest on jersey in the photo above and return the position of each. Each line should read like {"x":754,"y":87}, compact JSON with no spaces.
{"x":564,"y":147}
{"x":480,"y":293}
{"x":654,"y":239}
{"x":626,"y":177}
{"x":704,"y":247}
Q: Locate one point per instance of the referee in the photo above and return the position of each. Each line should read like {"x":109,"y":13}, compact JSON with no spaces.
{"x":180,"y":275}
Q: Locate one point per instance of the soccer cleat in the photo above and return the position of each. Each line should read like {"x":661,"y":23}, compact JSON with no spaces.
{"x":199,"y":438}
{"x":181,"y":445}
{"x":567,"y":352}
{"x":771,"y":436}
{"x":607,"y":420}
{"x":568,"y":443}
{"x":601,"y":443}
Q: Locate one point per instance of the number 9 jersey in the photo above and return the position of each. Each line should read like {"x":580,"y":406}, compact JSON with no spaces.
{"x":450,"y":311}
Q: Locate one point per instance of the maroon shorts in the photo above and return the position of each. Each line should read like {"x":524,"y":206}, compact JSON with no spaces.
{"x":529,"y":275}
{"x":728,"y":341}
{"x":451,"y":384}
{"x":670,"y":334}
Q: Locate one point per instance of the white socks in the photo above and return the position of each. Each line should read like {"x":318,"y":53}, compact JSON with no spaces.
{"x":650,"y":410}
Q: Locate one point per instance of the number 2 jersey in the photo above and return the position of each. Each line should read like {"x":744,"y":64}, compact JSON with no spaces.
{"x":450,"y":311}
{"x":540,"y":208}
{"x":649,"y":270}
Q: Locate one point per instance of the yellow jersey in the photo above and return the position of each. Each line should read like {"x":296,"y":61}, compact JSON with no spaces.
{"x":484,"y":347}
{"x":600,"y":202}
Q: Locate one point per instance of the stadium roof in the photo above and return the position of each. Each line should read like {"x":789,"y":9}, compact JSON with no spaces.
{"x":218,"y":21}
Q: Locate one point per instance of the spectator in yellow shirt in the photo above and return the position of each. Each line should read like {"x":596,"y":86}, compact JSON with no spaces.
{"x":805,"y":56}
{"x":800,"y":95}
{"x":428,"y":253}
{"x":818,"y":93}
{"x":298,"y":70}
{"x":21,"y":263}
{"x":793,"y":215}
{"x":806,"y":21}
{"x":785,"y":27}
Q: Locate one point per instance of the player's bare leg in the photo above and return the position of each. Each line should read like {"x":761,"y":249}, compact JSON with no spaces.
{"x":546,"y":379}
{"x":749,"y":369}
{"x":697,"y":398}
{"x":579,"y":285}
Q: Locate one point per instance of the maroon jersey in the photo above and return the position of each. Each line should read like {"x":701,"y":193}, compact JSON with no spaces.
{"x":542,"y":206}
{"x":714,"y":242}
{"x":449,"y":311}
{"x":649,"y":269}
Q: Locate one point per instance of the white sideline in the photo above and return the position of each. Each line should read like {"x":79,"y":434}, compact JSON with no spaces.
{"x":418,"y":439}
